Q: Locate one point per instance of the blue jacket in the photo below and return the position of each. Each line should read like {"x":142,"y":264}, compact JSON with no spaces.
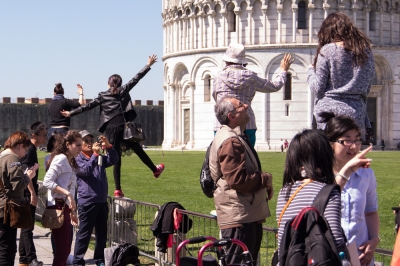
{"x":92,"y":179}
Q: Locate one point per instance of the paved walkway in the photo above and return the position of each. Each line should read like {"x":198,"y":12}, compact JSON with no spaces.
{"x":44,"y":251}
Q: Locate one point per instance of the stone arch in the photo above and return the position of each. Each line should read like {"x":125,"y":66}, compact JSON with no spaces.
{"x":279,"y":57}
{"x":198,"y":63}
{"x":382,"y":65}
{"x":166,"y":74}
{"x":179,"y":71}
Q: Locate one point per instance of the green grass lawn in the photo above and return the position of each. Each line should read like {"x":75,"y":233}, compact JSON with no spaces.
{"x":180,"y":182}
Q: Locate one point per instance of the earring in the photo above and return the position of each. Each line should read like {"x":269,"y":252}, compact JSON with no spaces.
{"x":303,"y":172}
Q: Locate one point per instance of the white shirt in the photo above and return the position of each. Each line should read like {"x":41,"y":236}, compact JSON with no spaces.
{"x":60,"y":173}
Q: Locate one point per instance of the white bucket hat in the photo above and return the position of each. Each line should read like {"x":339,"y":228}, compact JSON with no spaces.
{"x":235,"y":54}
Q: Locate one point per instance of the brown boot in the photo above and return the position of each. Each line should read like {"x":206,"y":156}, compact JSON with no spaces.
{"x":23,"y":264}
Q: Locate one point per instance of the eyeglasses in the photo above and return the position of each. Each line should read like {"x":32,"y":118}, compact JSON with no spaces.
{"x":89,"y":141}
{"x":348,"y":142}
{"x":240,"y":105}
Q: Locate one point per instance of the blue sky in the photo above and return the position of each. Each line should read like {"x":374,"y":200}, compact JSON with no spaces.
{"x":45,"y":42}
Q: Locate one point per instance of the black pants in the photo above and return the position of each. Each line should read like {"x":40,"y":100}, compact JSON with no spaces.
{"x":115,"y":139}
{"x":26,"y":247}
{"x":8,"y":244}
{"x":91,"y":216}
{"x":250,"y":234}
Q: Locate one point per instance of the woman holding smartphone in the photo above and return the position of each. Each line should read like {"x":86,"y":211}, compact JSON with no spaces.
{"x":60,"y":179}
{"x":14,"y":182}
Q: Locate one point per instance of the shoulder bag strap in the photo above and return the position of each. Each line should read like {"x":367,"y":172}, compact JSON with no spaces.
{"x":122,"y":110}
{"x":291,"y":198}
{"x":321,"y":200}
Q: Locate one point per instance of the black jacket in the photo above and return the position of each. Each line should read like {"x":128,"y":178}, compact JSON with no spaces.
{"x":163,"y":225}
{"x":110,"y":103}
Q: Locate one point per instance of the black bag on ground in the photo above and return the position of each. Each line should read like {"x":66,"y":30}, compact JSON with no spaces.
{"x":307,"y":236}
{"x":207,"y":183}
{"x":125,"y":254}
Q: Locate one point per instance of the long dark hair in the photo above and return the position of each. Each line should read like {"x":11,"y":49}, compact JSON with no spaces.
{"x":61,"y":148}
{"x":338,"y":27}
{"x":58,"y":89}
{"x":309,"y":149}
{"x":336,"y":126}
{"x":114,"y":81}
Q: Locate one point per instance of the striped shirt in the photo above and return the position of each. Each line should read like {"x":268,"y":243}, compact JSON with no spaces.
{"x":305,"y":198}
{"x":241,"y":83}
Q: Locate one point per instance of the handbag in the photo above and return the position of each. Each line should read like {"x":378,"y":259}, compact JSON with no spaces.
{"x":132,"y":131}
{"x":53,"y":218}
{"x":17,"y":215}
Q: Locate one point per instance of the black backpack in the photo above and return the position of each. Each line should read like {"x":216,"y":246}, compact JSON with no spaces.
{"x":207,"y":183}
{"x":307,"y":238}
{"x":125,"y":254}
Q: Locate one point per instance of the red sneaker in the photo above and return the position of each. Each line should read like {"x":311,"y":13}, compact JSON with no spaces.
{"x":160,"y":169}
{"x":118,"y":193}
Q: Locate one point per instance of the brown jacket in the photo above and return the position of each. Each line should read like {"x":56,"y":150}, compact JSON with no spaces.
{"x":13,"y":178}
{"x":241,"y":194}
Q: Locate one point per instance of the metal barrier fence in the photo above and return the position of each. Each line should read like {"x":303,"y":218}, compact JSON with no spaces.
{"x":130,"y":221}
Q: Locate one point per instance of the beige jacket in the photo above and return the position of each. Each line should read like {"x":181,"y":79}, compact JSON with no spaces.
{"x":241,"y":194}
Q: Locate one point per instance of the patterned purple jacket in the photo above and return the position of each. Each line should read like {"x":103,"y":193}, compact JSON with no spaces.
{"x":241,"y":83}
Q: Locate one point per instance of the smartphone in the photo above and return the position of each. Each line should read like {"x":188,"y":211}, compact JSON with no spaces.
{"x":396,"y":208}
{"x":35,"y":167}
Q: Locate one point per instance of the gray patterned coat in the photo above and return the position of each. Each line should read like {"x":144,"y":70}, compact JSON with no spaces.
{"x":339,"y":87}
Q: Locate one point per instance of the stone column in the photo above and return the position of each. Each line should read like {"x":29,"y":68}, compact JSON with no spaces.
{"x":380,"y":25}
{"x":310,"y":109}
{"x":294,"y":20}
{"x":250,"y":23}
{"x":173,"y":114}
{"x":354,"y":8}
{"x":310,"y":20}
{"x":367,"y":9}
{"x":166,"y":107}
{"x":192,"y":26}
{"x":326,"y":7}
{"x":165,"y":38}
{"x":279,"y":8}
{"x":178,"y":28}
{"x":238,"y":28}
{"x":264,"y":9}
{"x":212,"y":18}
{"x":191,"y":138}
{"x":391,"y":12}
{"x":224,"y":15}
{"x":200,"y":15}
{"x":184,"y":32}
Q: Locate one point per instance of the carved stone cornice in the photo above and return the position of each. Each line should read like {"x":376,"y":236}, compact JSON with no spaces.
{"x":367,"y":8}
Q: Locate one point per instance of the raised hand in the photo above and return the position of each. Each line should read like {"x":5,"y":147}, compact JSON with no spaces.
{"x":286,"y":62}
{"x":152,"y":59}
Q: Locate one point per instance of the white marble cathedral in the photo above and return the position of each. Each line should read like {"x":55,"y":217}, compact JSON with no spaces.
{"x":197,"y":32}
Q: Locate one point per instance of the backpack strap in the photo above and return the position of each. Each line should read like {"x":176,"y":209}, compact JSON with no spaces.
{"x":321,"y":200}
{"x":291,"y":198}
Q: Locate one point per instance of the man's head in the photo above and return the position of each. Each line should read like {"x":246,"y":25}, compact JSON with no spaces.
{"x":88,"y":140}
{"x":38,"y":132}
{"x":231,"y":112}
